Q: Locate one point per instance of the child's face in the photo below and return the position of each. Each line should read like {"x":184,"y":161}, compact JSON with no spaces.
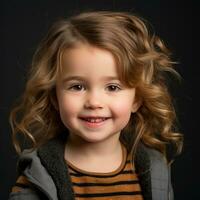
{"x":93,"y":104}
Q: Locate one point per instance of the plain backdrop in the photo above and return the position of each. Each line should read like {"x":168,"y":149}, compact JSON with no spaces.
{"x":24,"y":23}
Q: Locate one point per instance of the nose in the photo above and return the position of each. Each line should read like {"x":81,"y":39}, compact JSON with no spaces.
{"x":93,"y":100}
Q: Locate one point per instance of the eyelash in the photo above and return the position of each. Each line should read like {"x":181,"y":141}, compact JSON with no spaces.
{"x":110,"y":88}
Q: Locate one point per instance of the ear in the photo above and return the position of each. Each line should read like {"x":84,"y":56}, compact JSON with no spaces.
{"x":136,"y":105}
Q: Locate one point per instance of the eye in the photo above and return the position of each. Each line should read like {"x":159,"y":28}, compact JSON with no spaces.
{"x":113,"y":88}
{"x":77,"y":87}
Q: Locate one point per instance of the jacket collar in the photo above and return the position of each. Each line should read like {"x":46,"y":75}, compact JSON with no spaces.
{"x":142,"y":165}
{"x":51,"y":156}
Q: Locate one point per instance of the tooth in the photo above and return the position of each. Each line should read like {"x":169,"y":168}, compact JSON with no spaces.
{"x":95,"y":120}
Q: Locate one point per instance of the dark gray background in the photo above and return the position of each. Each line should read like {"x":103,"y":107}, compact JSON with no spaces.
{"x":24,"y":23}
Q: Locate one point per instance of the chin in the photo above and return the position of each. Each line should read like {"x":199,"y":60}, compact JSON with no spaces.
{"x":92,"y":140}
{"x":95,"y":138}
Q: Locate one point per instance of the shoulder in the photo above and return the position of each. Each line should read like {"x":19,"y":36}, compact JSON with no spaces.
{"x":154,"y":161}
{"x":150,"y":155}
{"x":23,"y":188}
{"x":33,"y":179}
{"x":155,"y":156}
{"x":158,"y":165}
{"x":160,"y":175}
{"x":28,"y":159}
{"x":156,"y":170}
{"x":21,"y":183}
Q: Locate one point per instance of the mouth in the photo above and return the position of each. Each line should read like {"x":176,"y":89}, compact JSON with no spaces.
{"x":94,"y":122}
{"x":94,"y":119}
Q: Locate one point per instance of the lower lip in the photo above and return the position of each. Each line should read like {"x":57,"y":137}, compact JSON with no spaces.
{"x":94,"y":124}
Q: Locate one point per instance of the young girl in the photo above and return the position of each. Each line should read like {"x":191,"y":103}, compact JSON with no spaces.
{"x":96,"y":113}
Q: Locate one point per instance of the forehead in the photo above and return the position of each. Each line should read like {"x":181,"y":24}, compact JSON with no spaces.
{"x":88,"y":60}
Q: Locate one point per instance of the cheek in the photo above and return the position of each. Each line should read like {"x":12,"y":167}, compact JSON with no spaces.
{"x":122,"y":111}
{"x":122,"y":114}
{"x":68,"y":106}
{"x":122,"y":108}
{"x":123,"y":105}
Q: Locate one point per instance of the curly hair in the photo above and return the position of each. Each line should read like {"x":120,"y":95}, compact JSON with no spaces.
{"x":142,"y":60}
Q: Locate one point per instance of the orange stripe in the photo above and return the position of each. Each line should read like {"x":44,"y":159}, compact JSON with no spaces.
{"x":129,"y":166}
{"x":136,"y":197}
{"x":88,"y":179}
{"x":107,"y":189}
{"x":23,"y":180}
{"x":16,"y":189}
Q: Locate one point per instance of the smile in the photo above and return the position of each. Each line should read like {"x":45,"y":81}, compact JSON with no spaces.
{"x":94,"y":122}
{"x":94,"y":119}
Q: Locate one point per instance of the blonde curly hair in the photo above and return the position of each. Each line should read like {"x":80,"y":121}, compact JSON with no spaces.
{"x":142,"y":60}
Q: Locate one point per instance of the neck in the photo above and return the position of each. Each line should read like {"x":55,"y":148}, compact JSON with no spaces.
{"x":108,"y":147}
{"x":89,"y":156}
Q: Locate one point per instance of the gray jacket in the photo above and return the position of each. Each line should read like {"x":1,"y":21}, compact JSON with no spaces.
{"x":47,"y":171}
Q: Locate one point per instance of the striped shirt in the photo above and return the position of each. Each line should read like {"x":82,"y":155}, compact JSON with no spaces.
{"x":21,"y":183}
{"x":122,"y":183}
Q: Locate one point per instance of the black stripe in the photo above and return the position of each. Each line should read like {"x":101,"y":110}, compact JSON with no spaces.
{"x":106,"y":184}
{"x":78,"y":174}
{"x":128,"y":172}
{"x":108,"y":194}
{"x":22,"y":185}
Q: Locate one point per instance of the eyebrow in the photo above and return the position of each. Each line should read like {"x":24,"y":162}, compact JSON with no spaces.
{"x":82,"y":78}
